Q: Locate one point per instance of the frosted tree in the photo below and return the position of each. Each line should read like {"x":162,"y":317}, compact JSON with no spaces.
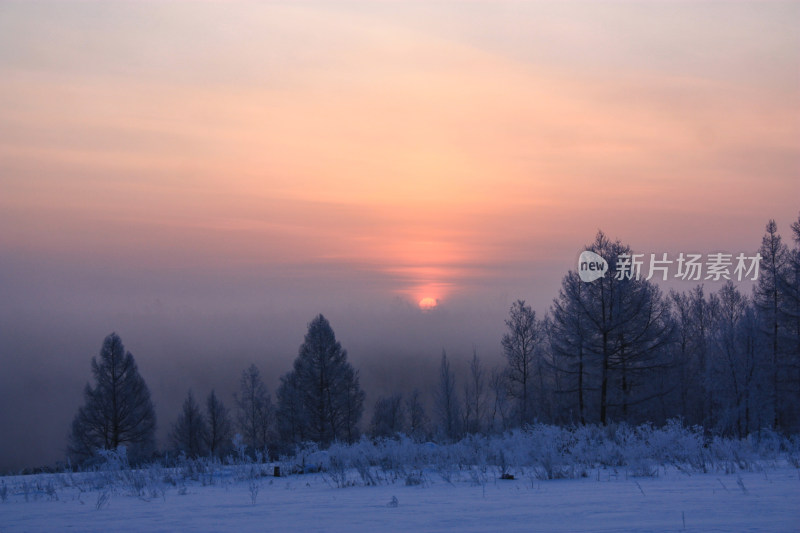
{"x":769,"y":298}
{"x":220,"y":427}
{"x":292,"y":418}
{"x":321,"y":398}
{"x":255,"y":412}
{"x":476,"y":396}
{"x":447,"y":402}
{"x":520,"y":346}
{"x":691,"y":316}
{"x":190,"y":432}
{"x":568,"y":335}
{"x":353,"y":406}
{"x":388,"y":417}
{"x":702,"y":313}
{"x":418,"y":422}
{"x":617,"y":333}
{"x":740,"y":365}
{"x":117,"y":411}
{"x":500,"y":417}
{"x":790,"y":311}
{"x":643,"y":361}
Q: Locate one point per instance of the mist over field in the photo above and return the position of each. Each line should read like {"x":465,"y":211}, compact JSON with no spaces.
{"x":204,"y":179}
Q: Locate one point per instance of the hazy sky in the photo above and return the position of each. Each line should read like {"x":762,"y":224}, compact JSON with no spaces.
{"x":203,"y":178}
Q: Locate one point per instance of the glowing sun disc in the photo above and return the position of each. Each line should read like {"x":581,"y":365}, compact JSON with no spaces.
{"x":427,"y":303}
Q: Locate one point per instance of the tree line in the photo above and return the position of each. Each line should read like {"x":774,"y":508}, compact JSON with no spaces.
{"x":609,"y":350}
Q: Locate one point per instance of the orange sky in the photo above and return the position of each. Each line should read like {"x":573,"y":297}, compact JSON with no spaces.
{"x":437,"y":147}
{"x":203,"y":178}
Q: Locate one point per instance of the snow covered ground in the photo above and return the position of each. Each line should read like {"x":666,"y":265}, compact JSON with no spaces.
{"x":609,"y":499}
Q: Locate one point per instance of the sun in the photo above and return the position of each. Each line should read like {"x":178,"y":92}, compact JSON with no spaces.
{"x":428,"y":303}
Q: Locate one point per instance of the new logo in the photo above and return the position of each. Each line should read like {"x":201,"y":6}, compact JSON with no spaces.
{"x":591,"y":266}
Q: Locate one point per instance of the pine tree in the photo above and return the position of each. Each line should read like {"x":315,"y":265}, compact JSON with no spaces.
{"x":117,"y":411}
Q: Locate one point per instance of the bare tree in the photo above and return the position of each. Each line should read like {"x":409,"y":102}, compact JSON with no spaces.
{"x":500,"y":419}
{"x":790,"y":310}
{"x":769,"y":300}
{"x":520,"y":344}
{"x":220,"y":428}
{"x":447,"y":401}
{"x":475,"y":397}
{"x":117,"y":410}
{"x":568,"y":335}
{"x":418,"y":422}
{"x":388,"y":417}
{"x":255,"y":410}
{"x":741,"y":368}
{"x":292,"y":417}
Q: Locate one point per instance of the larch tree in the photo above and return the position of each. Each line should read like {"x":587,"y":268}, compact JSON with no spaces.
{"x":418,"y":422}
{"x":321,"y":398}
{"x":255,"y":412}
{"x":388,"y":417}
{"x":568,"y":335}
{"x":520,"y":346}
{"x":769,"y":300}
{"x":291,"y":414}
{"x":500,"y":418}
{"x":447,"y":407}
{"x":220,"y":428}
{"x":790,"y":310}
{"x":189,"y":433}
{"x":476,"y":396}
{"x":615,"y":331}
{"x":117,"y":411}
{"x":693,"y":315}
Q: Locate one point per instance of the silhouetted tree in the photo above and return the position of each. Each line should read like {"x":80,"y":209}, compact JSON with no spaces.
{"x":693,"y":315}
{"x":292,"y":417}
{"x":475,"y":396}
{"x":769,"y":300}
{"x":190,"y":432}
{"x":520,"y":345}
{"x":321,"y":399}
{"x":740,"y":366}
{"x":500,"y":419}
{"x":418,"y":422}
{"x":447,"y":402}
{"x":220,"y":427}
{"x":568,"y":335}
{"x":255,"y":410}
{"x":790,"y":311}
{"x":616,"y":332}
{"x":117,"y":411}
{"x":388,"y":417}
